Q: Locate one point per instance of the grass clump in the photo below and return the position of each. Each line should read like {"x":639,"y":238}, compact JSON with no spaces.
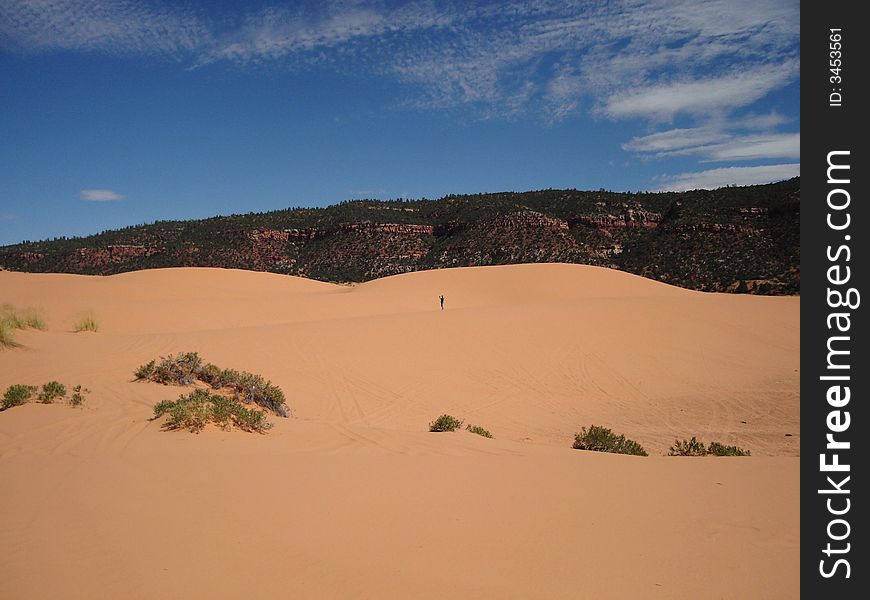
{"x":688,"y":448}
{"x":51,"y":391}
{"x":16,"y":395}
{"x":7,"y":336}
{"x":86,"y":323}
{"x":479,"y":430}
{"x":199,"y":408}
{"x":246,"y":387}
{"x":717,"y":449}
{"x":12,"y":319}
{"x":602,"y":439}
{"x":445,"y":423}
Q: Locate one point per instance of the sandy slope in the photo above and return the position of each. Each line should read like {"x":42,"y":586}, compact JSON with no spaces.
{"x":352,"y":498}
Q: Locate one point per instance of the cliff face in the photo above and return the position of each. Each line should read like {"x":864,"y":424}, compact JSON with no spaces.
{"x":732,"y":240}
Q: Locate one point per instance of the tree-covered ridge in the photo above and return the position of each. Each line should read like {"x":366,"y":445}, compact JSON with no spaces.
{"x":730,"y":239}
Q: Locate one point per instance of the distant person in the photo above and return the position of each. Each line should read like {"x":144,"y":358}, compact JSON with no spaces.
{"x":441,"y":298}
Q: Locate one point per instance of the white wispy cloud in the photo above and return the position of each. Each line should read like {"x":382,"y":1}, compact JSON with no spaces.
{"x":675,"y":140}
{"x":100,"y":195}
{"x":630,"y":58}
{"x":112,"y":26}
{"x":716,"y":178}
{"x":277,"y":33}
{"x":712,"y":144}
{"x":753,"y":147}
{"x":705,"y":96}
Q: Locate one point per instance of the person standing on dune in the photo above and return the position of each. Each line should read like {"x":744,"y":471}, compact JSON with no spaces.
{"x":441,"y":298}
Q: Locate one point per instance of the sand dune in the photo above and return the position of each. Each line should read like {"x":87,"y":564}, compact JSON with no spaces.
{"x":352,"y":497}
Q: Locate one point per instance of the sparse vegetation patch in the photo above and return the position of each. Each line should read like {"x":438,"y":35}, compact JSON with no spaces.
{"x":16,"y":395}
{"x":478,"y":430}
{"x":199,"y":408}
{"x":445,"y":423}
{"x":695,"y":448}
{"x":51,"y":391}
{"x":86,"y":323}
{"x":717,"y":449}
{"x":602,"y":439}
{"x":688,"y":448}
{"x":12,"y":319}
{"x":187,"y":367}
{"x":77,"y":397}
{"x":19,"y":394}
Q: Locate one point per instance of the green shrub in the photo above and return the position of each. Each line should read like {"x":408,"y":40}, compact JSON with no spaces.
{"x":717,"y":449}
{"x":162,"y":407}
{"x":146,"y":371}
{"x":183,"y":369}
{"x":16,"y":395}
{"x":191,"y":412}
{"x":230,"y":378}
{"x":602,"y":439}
{"x":478,"y":430}
{"x":223,"y":409}
{"x":445,"y":423}
{"x":246,"y":387}
{"x":688,"y":448}
{"x":195,"y":410}
{"x":211,"y":374}
{"x":50,"y":391}
{"x":250,"y":420}
{"x":86,"y":323}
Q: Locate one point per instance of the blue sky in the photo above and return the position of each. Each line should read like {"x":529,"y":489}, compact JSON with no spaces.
{"x":119,"y":112}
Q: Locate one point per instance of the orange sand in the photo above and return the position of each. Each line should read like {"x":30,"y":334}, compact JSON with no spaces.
{"x":352,"y":497}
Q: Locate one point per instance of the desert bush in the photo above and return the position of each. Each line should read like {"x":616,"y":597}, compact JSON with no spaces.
{"x":230,"y":378}
{"x":253,"y":388}
{"x":77,"y":397}
{"x":162,"y":407}
{"x":195,"y":410}
{"x":223,"y":409}
{"x":211,"y":374}
{"x":602,"y":439}
{"x":246,"y":387}
{"x":50,"y":391}
{"x":183,"y":369}
{"x":445,"y":423}
{"x":16,"y":395}
{"x":688,"y":448}
{"x":248,"y":419}
{"x":146,"y":371}
{"x":191,"y":412}
{"x":478,"y":430}
{"x":717,"y":449}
